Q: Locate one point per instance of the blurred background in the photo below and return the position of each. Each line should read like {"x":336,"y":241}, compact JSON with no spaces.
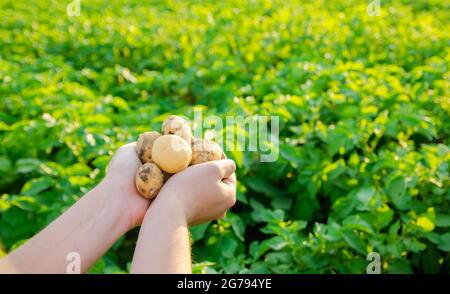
{"x":362,"y":96}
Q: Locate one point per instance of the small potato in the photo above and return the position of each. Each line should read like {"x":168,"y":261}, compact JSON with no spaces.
{"x":204,"y":150}
{"x":149,"y":180}
{"x":176,"y":125}
{"x":144,"y":146}
{"x":171,"y":153}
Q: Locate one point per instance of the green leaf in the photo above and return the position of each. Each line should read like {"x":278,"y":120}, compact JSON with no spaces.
{"x":237,"y":225}
{"x":365,"y":194}
{"x":25,"y":203}
{"x":201,"y":267}
{"x":241,"y":197}
{"x":399,"y":266}
{"x":5,"y":127}
{"x":277,"y":243}
{"x":197,"y":232}
{"x":433,"y":237}
{"x":228,"y":247}
{"x":237,"y":156}
{"x":342,"y":207}
{"x":253,"y":249}
{"x":444,"y":243}
{"x":120,"y":103}
{"x":27,"y":165}
{"x":355,"y":241}
{"x":101,"y":162}
{"x":359,"y":222}
{"x":78,"y":169}
{"x":396,"y":190}
{"x":37,"y":185}
{"x":18,"y":244}
{"x":279,"y":258}
{"x":261,"y":249}
{"x":442,"y":220}
{"x":98,"y":267}
{"x":282,"y":202}
{"x":393,"y":231}
{"x":265,"y":215}
{"x":414,"y":245}
{"x":291,"y":154}
{"x":5,"y":202}
{"x":5,"y":164}
{"x":262,"y":186}
{"x":384,"y":217}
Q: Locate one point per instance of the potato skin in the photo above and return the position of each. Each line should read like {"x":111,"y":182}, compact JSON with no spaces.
{"x":204,"y":150}
{"x":176,"y":125}
{"x":171,"y":153}
{"x":149,"y":180}
{"x":144,"y":145}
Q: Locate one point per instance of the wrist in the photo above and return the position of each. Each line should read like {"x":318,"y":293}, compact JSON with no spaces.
{"x":167,"y":209}
{"x":112,"y":203}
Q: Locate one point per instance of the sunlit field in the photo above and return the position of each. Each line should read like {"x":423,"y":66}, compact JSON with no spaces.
{"x":362,"y":101}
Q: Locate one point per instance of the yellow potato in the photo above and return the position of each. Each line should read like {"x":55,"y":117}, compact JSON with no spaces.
{"x":204,"y":150}
{"x":144,"y":146}
{"x":176,"y":125}
{"x":149,"y":180}
{"x":171,"y":153}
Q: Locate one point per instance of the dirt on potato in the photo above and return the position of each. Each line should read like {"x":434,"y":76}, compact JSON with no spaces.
{"x":149,"y":180}
{"x":176,"y":125}
{"x":144,"y":145}
{"x":204,"y":150}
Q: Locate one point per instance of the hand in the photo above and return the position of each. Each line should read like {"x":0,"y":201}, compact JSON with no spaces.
{"x":119,"y":181}
{"x":200,"y":193}
{"x":197,"y":194}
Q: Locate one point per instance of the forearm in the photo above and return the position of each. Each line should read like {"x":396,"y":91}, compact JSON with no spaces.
{"x":88,"y":228}
{"x":163,"y":245}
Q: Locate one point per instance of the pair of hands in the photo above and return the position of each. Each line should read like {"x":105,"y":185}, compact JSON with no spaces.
{"x":198,"y":194}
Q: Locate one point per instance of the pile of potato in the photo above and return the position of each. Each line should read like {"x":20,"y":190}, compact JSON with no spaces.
{"x":166,"y":154}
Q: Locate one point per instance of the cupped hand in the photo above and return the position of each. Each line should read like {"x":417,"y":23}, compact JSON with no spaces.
{"x":119,"y":181}
{"x":201,"y":192}
{"x":198,"y":194}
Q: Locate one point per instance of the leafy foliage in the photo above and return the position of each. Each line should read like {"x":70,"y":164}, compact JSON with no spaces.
{"x":363,"y":103}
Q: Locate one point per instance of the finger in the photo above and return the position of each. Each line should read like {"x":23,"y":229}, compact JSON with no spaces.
{"x":230,"y":181}
{"x":127,"y":149}
{"x":222,"y":168}
{"x":233,"y":178}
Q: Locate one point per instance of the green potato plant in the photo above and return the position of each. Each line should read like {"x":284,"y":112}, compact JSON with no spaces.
{"x":363,"y":103}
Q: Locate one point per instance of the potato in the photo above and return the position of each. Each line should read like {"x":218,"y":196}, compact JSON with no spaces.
{"x":144,"y":146}
{"x":175,"y":125}
{"x":171,"y":153}
{"x":149,"y":180}
{"x":204,"y":150}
